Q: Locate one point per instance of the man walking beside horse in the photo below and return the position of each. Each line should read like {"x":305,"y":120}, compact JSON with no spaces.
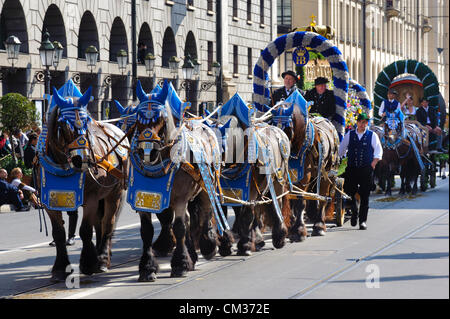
{"x":363,"y":150}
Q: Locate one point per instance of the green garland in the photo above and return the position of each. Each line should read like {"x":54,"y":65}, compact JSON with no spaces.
{"x":423,"y":72}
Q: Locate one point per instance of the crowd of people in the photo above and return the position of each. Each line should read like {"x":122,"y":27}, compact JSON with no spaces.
{"x":16,"y":192}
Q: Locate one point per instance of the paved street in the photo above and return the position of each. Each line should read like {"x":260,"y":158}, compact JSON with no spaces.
{"x":403,"y":254}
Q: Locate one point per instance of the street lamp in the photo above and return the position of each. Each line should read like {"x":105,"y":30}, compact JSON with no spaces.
{"x":12,"y":45}
{"x":122,"y":59}
{"x":173,"y":64}
{"x":57,"y":53}
{"x":216,"y":68}
{"x":188,"y":68}
{"x":47,"y":53}
{"x":91,"y":54}
{"x":150,"y":63}
{"x":196,"y":66}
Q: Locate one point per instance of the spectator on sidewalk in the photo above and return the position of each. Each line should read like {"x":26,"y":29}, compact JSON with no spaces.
{"x":30,"y":150}
{"x":10,"y":194}
{"x":17,"y":175}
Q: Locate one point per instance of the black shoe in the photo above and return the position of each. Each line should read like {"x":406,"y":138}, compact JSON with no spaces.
{"x":23,"y":209}
{"x":363,"y":226}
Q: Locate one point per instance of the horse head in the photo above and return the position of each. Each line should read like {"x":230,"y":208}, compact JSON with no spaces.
{"x":128,"y":115}
{"x":68,"y":125}
{"x":393,"y":128}
{"x":298,"y":124}
{"x":155,"y":124}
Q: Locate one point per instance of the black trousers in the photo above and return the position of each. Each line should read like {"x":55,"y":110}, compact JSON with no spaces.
{"x":359,"y":180}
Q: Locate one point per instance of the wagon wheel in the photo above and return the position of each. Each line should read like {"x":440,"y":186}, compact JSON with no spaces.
{"x":339,"y":204}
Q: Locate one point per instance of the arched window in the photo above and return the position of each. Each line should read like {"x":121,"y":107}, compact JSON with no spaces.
{"x":190,"y":46}
{"x":87,"y":34}
{"x":118,"y":39}
{"x":145,"y":43}
{"x":12,"y":22}
{"x":169,"y":47}
{"x":54,"y":24}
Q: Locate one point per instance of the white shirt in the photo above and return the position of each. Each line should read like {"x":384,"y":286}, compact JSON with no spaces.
{"x":381,"y":109}
{"x":16,"y":182}
{"x":376,"y":144}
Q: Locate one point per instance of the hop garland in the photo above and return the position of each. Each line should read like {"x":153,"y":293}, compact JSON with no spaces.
{"x":354,"y":108}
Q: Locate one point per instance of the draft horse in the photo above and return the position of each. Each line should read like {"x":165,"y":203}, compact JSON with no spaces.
{"x":76,"y":145}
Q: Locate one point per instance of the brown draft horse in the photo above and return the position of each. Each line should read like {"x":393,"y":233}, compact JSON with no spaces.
{"x":155,"y":119}
{"x":326,"y":135}
{"x":251,"y":218}
{"x":103,"y":187}
{"x":398,"y":155}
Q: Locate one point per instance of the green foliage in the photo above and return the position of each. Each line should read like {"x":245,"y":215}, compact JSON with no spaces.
{"x":17,"y":112}
{"x":8,"y":163}
{"x":342,"y":166}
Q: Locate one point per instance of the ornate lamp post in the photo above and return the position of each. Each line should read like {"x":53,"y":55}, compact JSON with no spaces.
{"x":12,"y":45}
{"x":188,"y":68}
{"x":91,"y":54}
{"x":150,"y":66}
{"x":122,"y":60}
{"x":47,"y":54}
{"x":59,"y":49}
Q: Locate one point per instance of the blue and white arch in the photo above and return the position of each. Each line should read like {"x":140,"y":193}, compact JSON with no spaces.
{"x":362,"y":95}
{"x":318,"y":43}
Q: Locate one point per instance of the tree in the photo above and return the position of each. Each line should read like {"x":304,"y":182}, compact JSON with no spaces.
{"x":17,"y":112}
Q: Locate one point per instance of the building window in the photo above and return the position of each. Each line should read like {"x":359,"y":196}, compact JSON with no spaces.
{"x":235,"y":60}
{"x":210,"y":5}
{"x":284,"y":16}
{"x":261,"y":12}
{"x":249,"y":61}
{"x":249,"y":10}
{"x":190,"y":3}
{"x":235,"y":8}
{"x":210,"y":55}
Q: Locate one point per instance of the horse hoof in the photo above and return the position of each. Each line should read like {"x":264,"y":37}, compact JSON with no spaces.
{"x":147,"y":277}
{"x":244,"y":253}
{"x":259,"y":245}
{"x":279,"y":244}
{"x":59,"y":276}
{"x":102,"y":269}
{"x":178,"y":272}
{"x":210,"y":255}
{"x":224,"y":252}
{"x":318,"y":232}
{"x":297,"y":238}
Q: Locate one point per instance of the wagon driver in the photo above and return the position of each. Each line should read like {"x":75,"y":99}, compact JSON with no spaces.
{"x":363,"y":150}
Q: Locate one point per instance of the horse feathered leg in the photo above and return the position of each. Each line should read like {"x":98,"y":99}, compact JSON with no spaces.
{"x":245,"y":224}
{"x":89,"y":263}
{"x":59,"y":270}
{"x":227,"y":239}
{"x":298,"y":232}
{"x":111,"y":208}
{"x":165,"y":242}
{"x":148,"y":266}
{"x":181,"y":261}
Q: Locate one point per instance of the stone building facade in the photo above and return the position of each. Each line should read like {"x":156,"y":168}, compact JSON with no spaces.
{"x":167,"y":27}
{"x":373,"y":34}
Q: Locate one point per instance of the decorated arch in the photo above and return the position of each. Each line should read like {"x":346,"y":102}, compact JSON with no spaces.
{"x":420,"y":70}
{"x":362,"y":95}
{"x":318,"y":43}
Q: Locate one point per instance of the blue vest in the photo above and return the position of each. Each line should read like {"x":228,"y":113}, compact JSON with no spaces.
{"x":360,"y":151}
{"x":390,"y":106}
